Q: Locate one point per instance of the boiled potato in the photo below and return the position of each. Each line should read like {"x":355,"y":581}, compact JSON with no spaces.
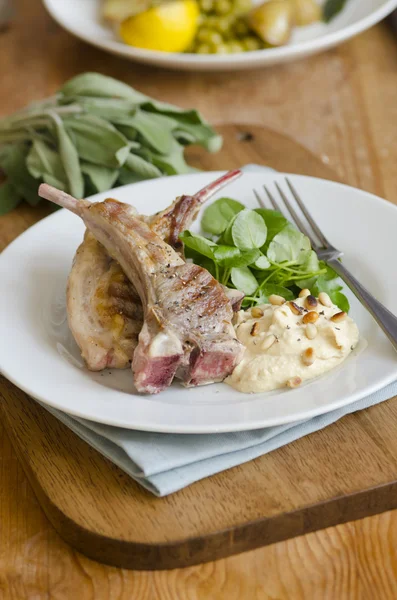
{"x":117,"y":11}
{"x":306,"y":12}
{"x":273,"y":21}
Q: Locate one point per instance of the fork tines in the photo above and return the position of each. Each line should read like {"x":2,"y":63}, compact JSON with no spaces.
{"x":287,"y":207}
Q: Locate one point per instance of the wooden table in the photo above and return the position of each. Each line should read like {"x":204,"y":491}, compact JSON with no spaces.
{"x":341,"y":105}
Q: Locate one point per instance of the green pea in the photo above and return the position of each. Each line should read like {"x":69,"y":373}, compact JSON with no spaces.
{"x":241,"y":28}
{"x":204,"y":49}
{"x":221,"y":49}
{"x":207,"y":5}
{"x":223,"y":7}
{"x":204,"y":35}
{"x":223,"y":25}
{"x":251,"y":43}
{"x":215,"y":38}
{"x":242,"y":7}
{"x":234,"y":47}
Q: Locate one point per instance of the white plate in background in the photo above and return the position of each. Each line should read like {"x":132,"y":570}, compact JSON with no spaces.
{"x":82,"y":19}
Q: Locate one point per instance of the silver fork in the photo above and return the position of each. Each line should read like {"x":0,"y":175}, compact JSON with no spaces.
{"x":329,"y":254}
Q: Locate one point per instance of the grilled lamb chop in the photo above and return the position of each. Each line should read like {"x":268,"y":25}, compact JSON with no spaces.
{"x":187,"y":328}
{"x":104,"y":310}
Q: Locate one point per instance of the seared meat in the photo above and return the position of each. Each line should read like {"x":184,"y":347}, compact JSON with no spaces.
{"x":187,"y":326}
{"x":104,"y":310}
{"x":106,"y":328}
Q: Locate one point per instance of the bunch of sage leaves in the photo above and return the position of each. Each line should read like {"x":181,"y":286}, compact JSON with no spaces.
{"x":94,"y":134}
{"x":260,"y":253}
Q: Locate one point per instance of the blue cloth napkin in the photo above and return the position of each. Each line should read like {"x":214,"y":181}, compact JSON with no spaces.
{"x":164,"y":463}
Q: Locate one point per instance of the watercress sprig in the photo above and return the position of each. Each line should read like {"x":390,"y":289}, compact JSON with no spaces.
{"x":260,"y":253}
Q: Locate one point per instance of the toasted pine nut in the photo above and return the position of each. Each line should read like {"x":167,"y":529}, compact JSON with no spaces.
{"x":325,"y":299}
{"x":310,"y":317}
{"x":308,"y":356}
{"x":294,"y":382}
{"x":311,"y":331}
{"x":268,"y":341}
{"x":304,"y":293}
{"x":311,"y":302}
{"x":255,"y":328}
{"x":276,"y":300}
{"x":338,"y":317}
{"x":256,"y":312}
{"x":297,"y":310}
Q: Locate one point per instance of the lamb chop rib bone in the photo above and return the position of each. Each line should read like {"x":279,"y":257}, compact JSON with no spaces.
{"x":187,"y":328}
{"x":104,"y":310}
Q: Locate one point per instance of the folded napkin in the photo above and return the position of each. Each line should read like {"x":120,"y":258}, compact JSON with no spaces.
{"x":164,"y":463}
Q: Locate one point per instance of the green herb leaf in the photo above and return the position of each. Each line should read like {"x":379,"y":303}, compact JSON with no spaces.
{"x":198,"y":243}
{"x":142,"y":167}
{"x":110,"y":109}
{"x":102,"y":178}
{"x":95,"y":84}
{"x":249,"y":230}
{"x":332,"y":8}
{"x":226,"y":237}
{"x":217,"y":216}
{"x":262,"y":263}
{"x":172,"y":163}
{"x":13,"y":163}
{"x":274,"y":220}
{"x":69,"y":157}
{"x":311,"y":265}
{"x":229,"y":256}
{"x":126,"y":177}
{"x":289,"y":245}
{"x":225,"y":256}
{"x":243,"y":279}
{"x":340,"y":300}
{"x":189,"y":121}
{"x":155,"y":129}
{"x":98,"y":141}
{"x":9,"y":198}
{"x":45,"y":163}
{"x":329,"y":286}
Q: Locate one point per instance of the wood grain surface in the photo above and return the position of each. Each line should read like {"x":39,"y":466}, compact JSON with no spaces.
{"x":340,"y":105}
{"x":310,"y":484}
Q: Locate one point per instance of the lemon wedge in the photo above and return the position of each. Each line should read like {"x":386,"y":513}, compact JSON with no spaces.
{"x":170,"y":27}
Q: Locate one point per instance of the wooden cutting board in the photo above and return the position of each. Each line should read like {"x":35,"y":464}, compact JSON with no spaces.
{"x":345,"y":472}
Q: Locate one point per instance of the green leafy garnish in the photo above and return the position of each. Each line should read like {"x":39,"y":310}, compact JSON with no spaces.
{"x":249,"y":230}
{"x":289,"y":245}
{"x":217,"y":216}
{"x":332,"y":8}
{"x":95,"y":133}
{"x":259,"y":253}
{"x":243,"y":279}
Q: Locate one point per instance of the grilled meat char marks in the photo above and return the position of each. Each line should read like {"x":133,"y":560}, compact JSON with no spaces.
{"x":198,"y":307}
{"x":105,"y":327}
{"x":173,"y":337}
{"x":170,"y":223}
{"x":204,"y":349}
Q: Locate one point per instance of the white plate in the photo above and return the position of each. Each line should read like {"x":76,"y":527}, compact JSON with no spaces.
{"x":82,"y":19}
{"x":38,"y":353}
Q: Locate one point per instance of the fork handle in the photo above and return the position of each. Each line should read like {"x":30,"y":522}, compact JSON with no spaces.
{"x":385,"y":319}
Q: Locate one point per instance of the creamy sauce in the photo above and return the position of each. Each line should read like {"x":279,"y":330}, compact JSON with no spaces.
{"x":278,"y":347}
